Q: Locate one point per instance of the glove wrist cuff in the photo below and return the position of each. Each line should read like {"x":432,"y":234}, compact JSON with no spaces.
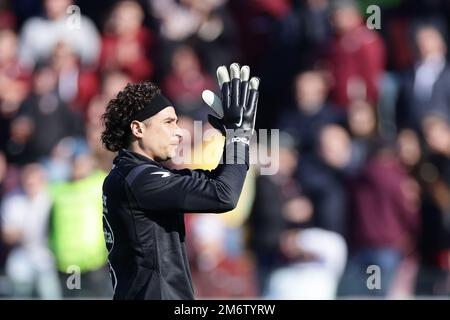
{"x":245,"y":140}
{"x":239,"y":135}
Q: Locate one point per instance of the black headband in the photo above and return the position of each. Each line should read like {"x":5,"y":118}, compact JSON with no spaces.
{"x":157,"y":103}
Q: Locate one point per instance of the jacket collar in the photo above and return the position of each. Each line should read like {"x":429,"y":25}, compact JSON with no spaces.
{"x":127,"y":156}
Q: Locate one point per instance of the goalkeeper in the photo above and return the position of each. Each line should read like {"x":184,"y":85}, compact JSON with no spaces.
{"x":144,"y":202}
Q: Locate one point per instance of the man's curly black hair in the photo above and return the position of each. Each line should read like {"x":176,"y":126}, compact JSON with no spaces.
{"x":120,"y":112}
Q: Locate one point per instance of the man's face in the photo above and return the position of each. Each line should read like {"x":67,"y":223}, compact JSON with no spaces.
{"x":56,"y":9}
{"x":430,"y":43}
{"x":345,"y":19}
{"x":159,"y":135}
{"x":311,"y":91}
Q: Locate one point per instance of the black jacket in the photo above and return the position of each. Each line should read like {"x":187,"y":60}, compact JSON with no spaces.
{"x":143,"y":204}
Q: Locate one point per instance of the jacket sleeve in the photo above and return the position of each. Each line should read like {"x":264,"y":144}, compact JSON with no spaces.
{"x":160,"y":189}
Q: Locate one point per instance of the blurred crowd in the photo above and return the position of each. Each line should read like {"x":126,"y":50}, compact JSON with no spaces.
{"x":360,"y":204}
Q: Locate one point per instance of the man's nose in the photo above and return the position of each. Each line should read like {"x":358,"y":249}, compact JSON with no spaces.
{"x":179,"y":133}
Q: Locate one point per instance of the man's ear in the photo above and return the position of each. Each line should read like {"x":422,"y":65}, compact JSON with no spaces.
{"x":137,"y":129}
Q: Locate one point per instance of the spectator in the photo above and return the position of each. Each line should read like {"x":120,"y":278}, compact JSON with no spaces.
{"x":312,"y":110}
{"x":76,"y":85}
{"x":356,"y":56}
{"x":40,"y":35}
{"x":216,"y":37}
{"x":127,"y":44}
{"x":384,"y":223}
{"x":410,"y":155}
{"x":76,"y":229}
{"x":217,"y":269}
{"x":363,"y":125}
{"x":291,"y":264}
{"x":321,"y":257}
{"x":112,"y":82}
{"x":424,"y":88}
{"x":323,"y":176}
{"x":435,"y":180}
{"x":409,"y":150}
{"x":5,"y":291}
{"x":275,"y":197}
{"x":59,"y":163}
{"x":186,"y":81}
{"x":25,"y":220}
{"x":43,"y":120}
{"x":14,"y":83}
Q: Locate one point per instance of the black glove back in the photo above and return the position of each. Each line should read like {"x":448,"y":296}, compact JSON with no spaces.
{"x":239,"y":101}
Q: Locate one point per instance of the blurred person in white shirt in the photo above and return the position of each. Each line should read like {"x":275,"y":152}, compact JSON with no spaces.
{"x":40,"y":35}
{"x":25,"y":218}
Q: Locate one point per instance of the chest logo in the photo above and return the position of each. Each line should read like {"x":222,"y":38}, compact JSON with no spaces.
{"x":163,"y":174}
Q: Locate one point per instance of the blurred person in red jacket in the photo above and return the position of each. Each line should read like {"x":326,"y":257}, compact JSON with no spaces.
{"x":186,"y":81}
{"x":126,"y":42}
{"x":384,"y":223}
{"x":356,"y":56}
{"x":14,"y":83}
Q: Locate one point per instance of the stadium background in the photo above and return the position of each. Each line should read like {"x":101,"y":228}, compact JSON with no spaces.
{"x":360,"y":206}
